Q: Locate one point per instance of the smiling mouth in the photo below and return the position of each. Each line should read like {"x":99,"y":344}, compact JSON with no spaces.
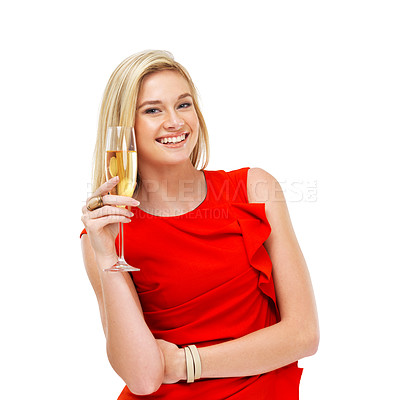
{"x":171,"y":140}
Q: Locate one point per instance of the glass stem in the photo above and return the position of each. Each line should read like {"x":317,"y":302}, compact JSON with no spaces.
{"x":121,"y":242}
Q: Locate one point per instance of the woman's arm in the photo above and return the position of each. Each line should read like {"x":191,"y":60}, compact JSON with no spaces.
{"x":297,"y":334}
{"x":131,"y":348}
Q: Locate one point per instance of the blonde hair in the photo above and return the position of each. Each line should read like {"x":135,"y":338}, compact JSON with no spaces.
{"x":119,"y":104}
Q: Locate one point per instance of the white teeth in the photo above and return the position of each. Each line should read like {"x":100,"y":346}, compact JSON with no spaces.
{"x":175,"y":139}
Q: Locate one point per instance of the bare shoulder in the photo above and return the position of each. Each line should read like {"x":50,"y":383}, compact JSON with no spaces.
{"x":262,"y":186}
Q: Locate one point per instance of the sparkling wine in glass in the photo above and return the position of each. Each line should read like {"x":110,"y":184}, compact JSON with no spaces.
{"x":121,"y":161}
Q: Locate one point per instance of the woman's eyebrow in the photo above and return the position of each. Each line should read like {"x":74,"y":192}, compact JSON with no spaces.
{"x":153,"y":102}
{"x":149,"y":102}
{"x":184,"y":95}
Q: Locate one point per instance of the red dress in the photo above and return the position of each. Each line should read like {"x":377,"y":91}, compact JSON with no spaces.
{"x":205,"y":278}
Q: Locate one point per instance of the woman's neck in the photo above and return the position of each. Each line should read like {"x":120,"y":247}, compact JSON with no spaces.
{"x":171,"y":190}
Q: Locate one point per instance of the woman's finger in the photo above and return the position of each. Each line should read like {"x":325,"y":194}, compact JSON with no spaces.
{"x":114,"y":200}
{"x":99,"y":223}
{"x":106,"y":187}
{"x":110,"y":210}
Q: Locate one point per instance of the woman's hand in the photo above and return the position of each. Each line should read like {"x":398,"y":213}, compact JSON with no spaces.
{"x":102,"y":224}
{"x":174,"y":361}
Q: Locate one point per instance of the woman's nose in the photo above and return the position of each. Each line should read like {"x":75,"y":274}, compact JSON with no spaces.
{"x":173,"y":121}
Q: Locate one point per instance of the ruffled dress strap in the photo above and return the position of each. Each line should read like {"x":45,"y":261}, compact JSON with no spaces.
{"x":255,"y":229}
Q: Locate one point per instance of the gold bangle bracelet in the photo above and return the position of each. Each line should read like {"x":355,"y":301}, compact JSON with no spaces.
{"x":197,"y":361}
{"x":189,"y":366}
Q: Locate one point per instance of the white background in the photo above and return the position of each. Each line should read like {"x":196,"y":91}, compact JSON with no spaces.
{"x":307,"y":90}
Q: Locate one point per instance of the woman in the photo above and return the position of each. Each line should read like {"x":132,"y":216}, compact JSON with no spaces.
{"x":205,"y":243}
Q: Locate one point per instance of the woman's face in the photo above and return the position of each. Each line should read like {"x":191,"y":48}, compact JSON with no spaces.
{"x":166,"y":124}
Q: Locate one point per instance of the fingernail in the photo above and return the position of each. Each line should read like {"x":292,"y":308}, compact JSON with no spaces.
{"x":136,"y":202}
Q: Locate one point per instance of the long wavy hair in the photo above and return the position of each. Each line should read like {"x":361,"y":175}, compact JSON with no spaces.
{"x":119,"y":104}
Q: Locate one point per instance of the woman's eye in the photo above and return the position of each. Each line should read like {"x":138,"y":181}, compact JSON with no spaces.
{"x":184,"y":105}
{"x":152,"y":111}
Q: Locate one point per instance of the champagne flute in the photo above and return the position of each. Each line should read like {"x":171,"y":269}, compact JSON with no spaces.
{"x":121,"y":160}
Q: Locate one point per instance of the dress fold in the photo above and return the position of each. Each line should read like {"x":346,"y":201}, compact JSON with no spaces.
{"x":255,"y":230}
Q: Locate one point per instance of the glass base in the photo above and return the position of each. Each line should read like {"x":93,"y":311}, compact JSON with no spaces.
{"x":121,"y":266}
